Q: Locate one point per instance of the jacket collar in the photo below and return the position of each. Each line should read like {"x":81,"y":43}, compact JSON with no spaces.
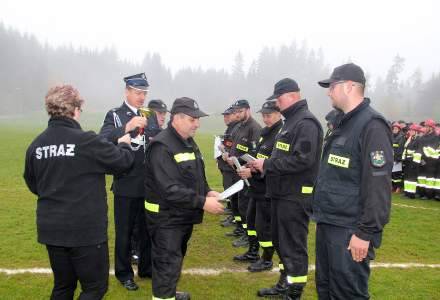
{"x":63,"y":121}
{"x":363,"y":105}
{"x":291,"y":110}
{"x":189,"y":143}
{"x":268,"y":130}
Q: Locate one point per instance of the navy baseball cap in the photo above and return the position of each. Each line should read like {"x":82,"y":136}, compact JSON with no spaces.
{"x":345,"y":72}
{"x":269,"y":107}
{"x":286,"y":85}
{"x":228,"y":111}
{"x":187,"y":106}
{"x":157,"y":105}
{"x":137,"y":82}
{"x":242,"y":103}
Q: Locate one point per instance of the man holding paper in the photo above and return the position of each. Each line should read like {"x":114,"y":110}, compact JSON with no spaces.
{"x":177,"y":193}
{"x":290,"y":176}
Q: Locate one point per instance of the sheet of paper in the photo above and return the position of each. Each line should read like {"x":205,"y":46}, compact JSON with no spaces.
{"x":217,"y":143}
{"x":247,"y":157}
{"x":235,"y":188}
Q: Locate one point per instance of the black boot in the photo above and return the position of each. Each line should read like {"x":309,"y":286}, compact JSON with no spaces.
{"x":264,"y":263}
{"x":252,"y":254}
{"x":294,"y":291}
{"x":228,"y":221}
{"x":242,"y":241}
{"x":278,"y":290}
{"x":237,"y":232}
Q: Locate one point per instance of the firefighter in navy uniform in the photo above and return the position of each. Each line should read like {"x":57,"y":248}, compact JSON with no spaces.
{"x":244,"y":140}
{"x":226,"y":170}
{"x":290,"y":176}
{"x":128,"y":189}
{"x":352,"y":196}
{"x":176,"y":195}
{"x":65,"y":167}
{"x":398,"y":147}
{"x":257,"y":192}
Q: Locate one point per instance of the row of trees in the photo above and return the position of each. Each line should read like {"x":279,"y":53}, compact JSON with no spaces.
{"x":28,"y":68}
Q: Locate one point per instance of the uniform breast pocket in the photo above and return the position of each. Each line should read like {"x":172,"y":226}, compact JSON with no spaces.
{"x":187,"y":169}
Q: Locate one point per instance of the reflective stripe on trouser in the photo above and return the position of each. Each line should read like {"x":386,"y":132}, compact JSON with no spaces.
{"x":437,"y":184}
{"x":157,"y":298}
{"x":430,"y":183}
{"x":410,"y":186}
{"x":262,"y":221}
{"x":290,"y":222}
{"x":421,"y":181}
{"x":250,"y":218}
{"x":297,"y":279}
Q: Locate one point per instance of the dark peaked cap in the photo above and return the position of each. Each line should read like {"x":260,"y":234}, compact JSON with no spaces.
{"x":286,"y":85}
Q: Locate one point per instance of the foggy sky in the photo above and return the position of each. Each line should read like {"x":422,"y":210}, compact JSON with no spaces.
{"x":210,"y":33}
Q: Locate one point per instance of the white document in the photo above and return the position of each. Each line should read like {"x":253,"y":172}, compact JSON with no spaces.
{"x":217,"y":144}
{"x":238,"y":166}
{"x":235,"y":188}
{"x":247,"y":157}
{"x":397,"y":167}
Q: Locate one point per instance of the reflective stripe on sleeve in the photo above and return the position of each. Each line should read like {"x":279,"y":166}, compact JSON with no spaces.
{"x":259,"y":155}
{"x":151,"y":207}
{"x":237,"y":218}
{"x":181,"y":157}
{"x":251,"y":233}
{"x":307,"y":189}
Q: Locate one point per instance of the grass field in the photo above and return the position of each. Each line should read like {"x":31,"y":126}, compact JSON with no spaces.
{"x":411,"y":237}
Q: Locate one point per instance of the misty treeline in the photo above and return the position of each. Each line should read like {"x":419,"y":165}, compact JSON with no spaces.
{"x":28,"y":68}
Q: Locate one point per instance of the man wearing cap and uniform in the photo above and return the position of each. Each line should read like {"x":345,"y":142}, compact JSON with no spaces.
{"x":290,"y":176}
{"x":128,"y":188}
{"x":177,"y":193}
{"x":352,"y":196}
{"x":156,"y":121}
{"x":244,"y":140}
{"x":225,"y":169}
{"x":259,"y":204}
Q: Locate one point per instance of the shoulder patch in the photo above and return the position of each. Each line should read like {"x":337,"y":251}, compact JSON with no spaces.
{"x":377,"y":159}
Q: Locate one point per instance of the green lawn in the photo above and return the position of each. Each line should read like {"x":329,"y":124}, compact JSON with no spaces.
{"x":412,"y":236}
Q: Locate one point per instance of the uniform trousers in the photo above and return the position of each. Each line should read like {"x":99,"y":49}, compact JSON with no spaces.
{"x":290,"y":223}
{"x":88,"y":264}
{"x":169,"y":244}
{"x":126,"y":211}
{"x":263,"y":221}
{"x":338,"y":276}
{"x":250,"y":217}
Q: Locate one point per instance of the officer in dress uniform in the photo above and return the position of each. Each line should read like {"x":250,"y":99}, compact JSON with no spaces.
{"x":352,"y":196}
{"x":177,"y":193}
{"x":128,"y":189}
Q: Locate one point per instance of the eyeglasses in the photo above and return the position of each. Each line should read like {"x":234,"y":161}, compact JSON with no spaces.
{"x":80,"y":109}
{"x":333,"y":84}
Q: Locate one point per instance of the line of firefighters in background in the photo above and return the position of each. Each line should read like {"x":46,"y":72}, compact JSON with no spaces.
{"x":416,"y":169}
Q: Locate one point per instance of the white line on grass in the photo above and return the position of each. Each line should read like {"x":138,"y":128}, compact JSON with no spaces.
{"x":215,"y":272}
{"x":411,"y":206}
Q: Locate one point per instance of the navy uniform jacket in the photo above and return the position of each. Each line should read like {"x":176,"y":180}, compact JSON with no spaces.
{"x":130,"y":184}
{"x":65,"y":167}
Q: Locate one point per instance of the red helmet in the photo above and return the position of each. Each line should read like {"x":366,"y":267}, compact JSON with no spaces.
{"x":415,"y":127}
{"x":398,"y":125}
{"x":430,"y":123}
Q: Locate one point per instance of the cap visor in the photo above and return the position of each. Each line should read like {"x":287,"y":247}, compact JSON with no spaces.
{"x":326,"y":82}
{"x":272,"y":97}
{"x":267,"y":111}
{"x":139,"y":88}
{"x":196,"y":114}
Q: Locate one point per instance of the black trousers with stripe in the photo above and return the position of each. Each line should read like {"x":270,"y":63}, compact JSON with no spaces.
{"x":263,"y":221}
{"x":290,"y":227}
